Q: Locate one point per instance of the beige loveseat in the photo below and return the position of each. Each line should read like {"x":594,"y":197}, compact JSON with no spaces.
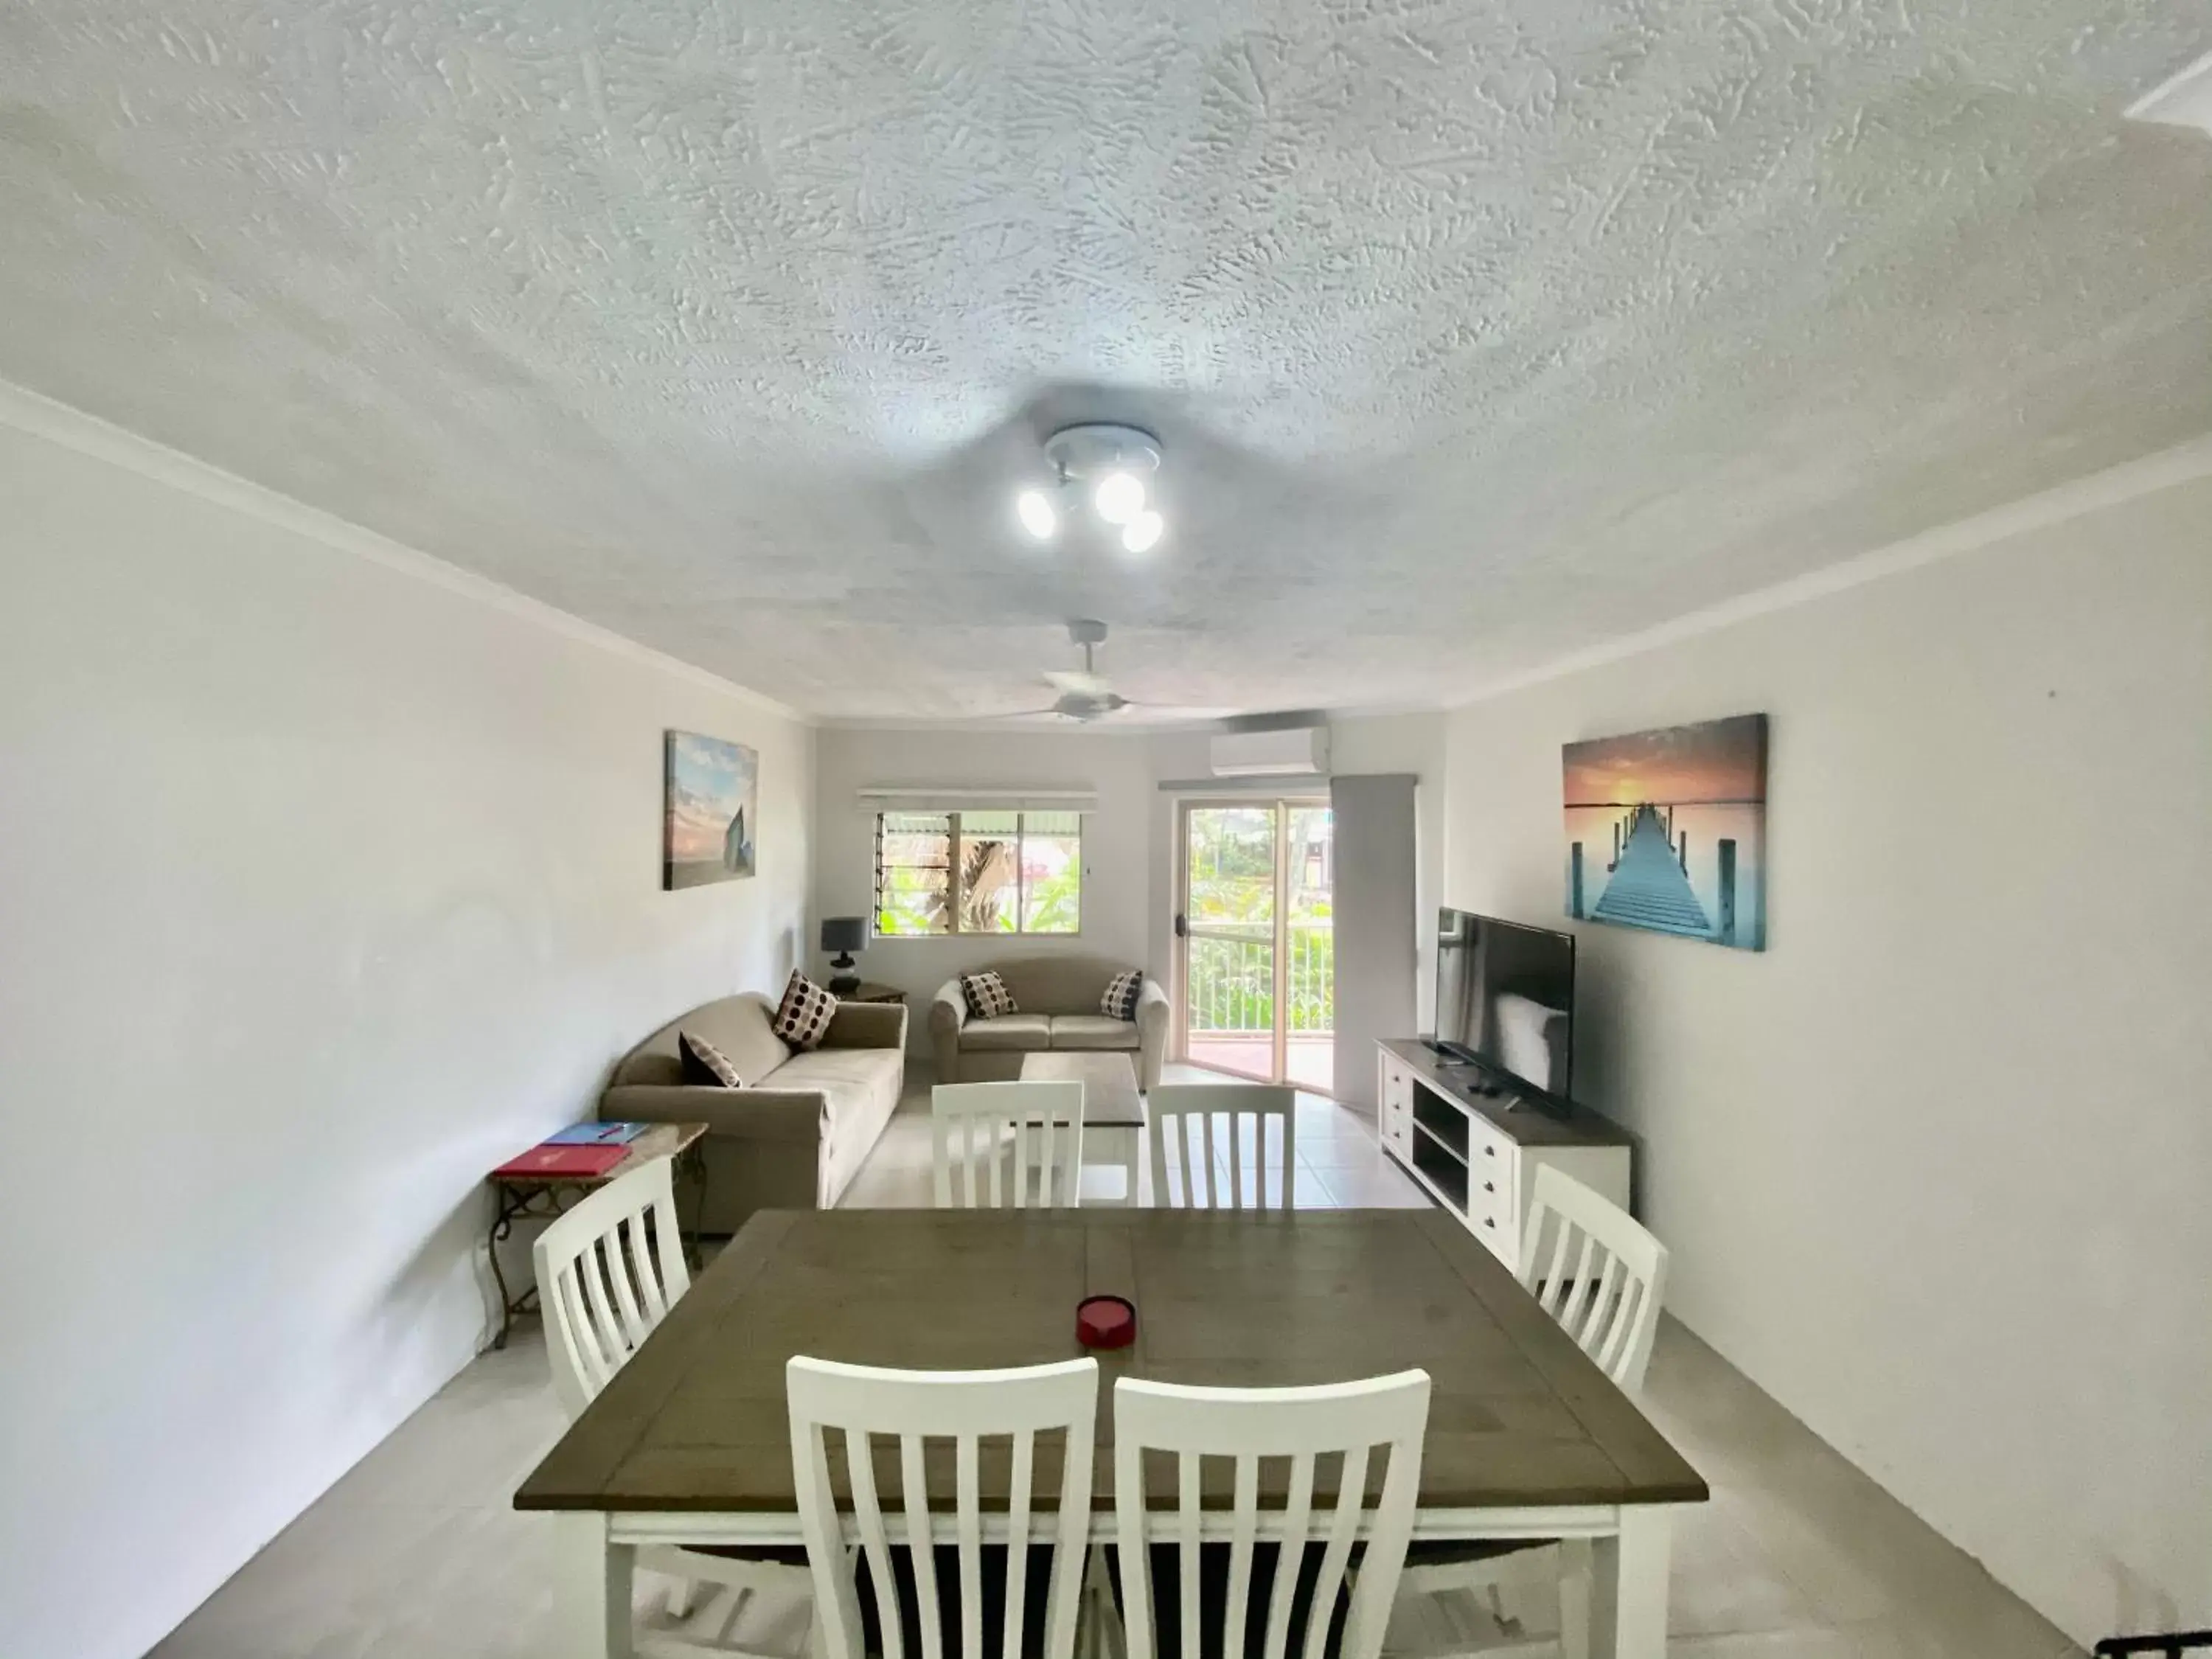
{"x":798,"y":1133}
{"x":1059,"y":998}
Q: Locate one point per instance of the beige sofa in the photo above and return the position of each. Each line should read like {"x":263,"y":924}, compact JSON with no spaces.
{"x":793,"y":1138}
{"x":1059,"y":998}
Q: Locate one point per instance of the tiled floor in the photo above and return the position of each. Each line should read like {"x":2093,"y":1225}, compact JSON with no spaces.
{"x":416,"y":1554}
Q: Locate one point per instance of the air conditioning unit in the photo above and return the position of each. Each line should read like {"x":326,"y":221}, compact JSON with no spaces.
{"x":1301,"y":751}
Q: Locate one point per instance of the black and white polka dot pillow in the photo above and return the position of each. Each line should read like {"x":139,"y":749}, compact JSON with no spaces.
{"x":1120,"y":1001}
{"x":705,"y":1064}
{"x":987,"y":995}
{"x":802,"y":1018}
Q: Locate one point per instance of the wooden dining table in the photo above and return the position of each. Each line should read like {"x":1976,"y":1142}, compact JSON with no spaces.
{"x":1526,"y":1437}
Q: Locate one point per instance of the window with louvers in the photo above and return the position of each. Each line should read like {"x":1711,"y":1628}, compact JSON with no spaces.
{"x":978,"y":872}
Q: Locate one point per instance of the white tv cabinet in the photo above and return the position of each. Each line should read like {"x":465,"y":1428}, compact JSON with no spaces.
{"x":1477,"y":1157}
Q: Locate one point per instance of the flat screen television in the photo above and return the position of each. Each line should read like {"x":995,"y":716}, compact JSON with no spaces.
{"x":1505,"y":1000}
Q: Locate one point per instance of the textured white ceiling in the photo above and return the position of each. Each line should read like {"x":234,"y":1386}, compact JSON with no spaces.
{"x":1477,"y":332}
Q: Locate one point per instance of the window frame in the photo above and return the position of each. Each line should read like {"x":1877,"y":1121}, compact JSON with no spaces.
{"x":953,"y":841}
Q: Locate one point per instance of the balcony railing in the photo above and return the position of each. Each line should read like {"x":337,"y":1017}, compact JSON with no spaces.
{"x":1232,"y":982}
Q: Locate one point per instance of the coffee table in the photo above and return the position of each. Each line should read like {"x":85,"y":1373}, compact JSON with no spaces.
{"x":1112,"y":1110}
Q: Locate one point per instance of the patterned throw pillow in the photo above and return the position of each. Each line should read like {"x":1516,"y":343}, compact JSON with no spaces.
{"x":803,"y":1016}
{"x":705,"y":1064}
{"x":987,"y":995}
{"x":1120,"y":999}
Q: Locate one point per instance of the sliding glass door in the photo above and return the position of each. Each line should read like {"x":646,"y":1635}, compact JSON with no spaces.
{"x":1256,"y":969}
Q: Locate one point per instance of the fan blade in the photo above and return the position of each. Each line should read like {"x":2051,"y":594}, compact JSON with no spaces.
{"x":1176,"y":711}
{"x":1087,"y":685}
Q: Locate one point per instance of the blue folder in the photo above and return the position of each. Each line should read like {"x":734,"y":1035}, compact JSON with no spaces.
{"x":598,"y":1134}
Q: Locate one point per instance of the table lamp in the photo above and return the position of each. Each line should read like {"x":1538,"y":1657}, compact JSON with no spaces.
{"x":844,"y":935}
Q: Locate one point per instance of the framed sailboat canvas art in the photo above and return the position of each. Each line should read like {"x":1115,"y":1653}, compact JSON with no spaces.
{"x":713,"y":799}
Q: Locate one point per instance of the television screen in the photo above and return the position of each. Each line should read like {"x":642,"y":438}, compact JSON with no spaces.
{"x":1505,"y":998}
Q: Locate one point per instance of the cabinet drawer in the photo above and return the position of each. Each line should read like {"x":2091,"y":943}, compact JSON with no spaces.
{"x":1487,"y":1216}
{"x":1484,"y":1146}
{"x":1491,"y":1194}
{"x":1493,"y":1169}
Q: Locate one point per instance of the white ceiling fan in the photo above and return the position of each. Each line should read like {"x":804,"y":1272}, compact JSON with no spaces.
{"x":1084,"y":693}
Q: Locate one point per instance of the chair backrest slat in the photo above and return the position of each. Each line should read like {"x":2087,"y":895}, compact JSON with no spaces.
{"x":608,"y":1273}
{"x":1017,"y":1536}
{"x":1186,"y":1117}
{"x":915,"y":1408}
{"x":1244,"y":1535}
{"x":1596,"y":1326}
{"x":913,"y":1501}
{"x":646,"y":1273}
{"x":1350,"y":1421}
{"x":967,"y":1504}
{"x":1344,"y":1525}
{"x":875,"y":1545}
{"x":1609,"y":1303}
{"x":1192,"y":1576}
{"x":1298,"y":1525}
{"x":1009,"y":1129}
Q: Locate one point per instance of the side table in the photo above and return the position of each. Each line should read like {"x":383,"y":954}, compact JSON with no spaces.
{"x":874,"y":991}
{"x":542,"y":1198}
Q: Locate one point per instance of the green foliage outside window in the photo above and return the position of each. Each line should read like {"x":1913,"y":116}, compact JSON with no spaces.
{"x":1232,"y":897}
{"x":978,"y":872}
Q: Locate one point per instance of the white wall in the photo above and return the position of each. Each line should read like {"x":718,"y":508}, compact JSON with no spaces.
{"x":331,"y":881}
{"x":1934,"y":1166}
{"x":1117,"y":894}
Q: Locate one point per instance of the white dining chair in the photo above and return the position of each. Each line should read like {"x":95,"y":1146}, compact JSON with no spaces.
{"x":1600,"y":1274}
{"x":1347,"y":1422}
{"x":609,"y":1271}
{"x":990,"y":1141}
{"x":1603,"y":1276}
{"x":861,"y":1405}
{"x":1206,"y":1124}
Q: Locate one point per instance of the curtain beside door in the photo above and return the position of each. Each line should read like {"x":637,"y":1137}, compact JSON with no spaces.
{"x":1376,"y":936}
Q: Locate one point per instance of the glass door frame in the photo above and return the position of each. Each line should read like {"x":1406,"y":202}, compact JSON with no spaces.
{"x":1281,"y":803}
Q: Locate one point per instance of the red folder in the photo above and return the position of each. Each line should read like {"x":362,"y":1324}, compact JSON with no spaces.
{"x":551,"y":1160}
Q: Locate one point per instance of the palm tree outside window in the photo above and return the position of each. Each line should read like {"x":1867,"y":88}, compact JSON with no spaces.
{"x":978,"y":872}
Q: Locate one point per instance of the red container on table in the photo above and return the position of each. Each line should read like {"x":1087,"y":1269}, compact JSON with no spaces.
{"x":1105,"y":1322}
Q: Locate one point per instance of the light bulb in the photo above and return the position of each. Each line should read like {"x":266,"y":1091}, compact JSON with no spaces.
{"x":1037,"y":516}
{"x":1119,"y":498}
{"x":1141,"y":533}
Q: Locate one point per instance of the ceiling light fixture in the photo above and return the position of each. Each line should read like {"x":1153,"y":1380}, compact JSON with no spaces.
{"x":1119,"y":498}
{"x":1037,"y":515}
{"x":1105,"y":469}
{"x":1142,"y":533}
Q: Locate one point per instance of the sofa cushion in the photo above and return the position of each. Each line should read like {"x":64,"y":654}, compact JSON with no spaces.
{"x":1008,"y":1032}
{"x":859,"y":1089}
{"x":836,"y":1072}
{"x":1120,"y":1001}
{"x":1093,"y":1031}
{"x":705,"y":1064}
{"x":738,"y":1025}
{"x":1062,"y":983}
{"x":803,"y":1016}
{"x":986,"y":995}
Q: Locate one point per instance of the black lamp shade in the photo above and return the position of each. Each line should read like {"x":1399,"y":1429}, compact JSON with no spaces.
{"x":844,"y":933}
